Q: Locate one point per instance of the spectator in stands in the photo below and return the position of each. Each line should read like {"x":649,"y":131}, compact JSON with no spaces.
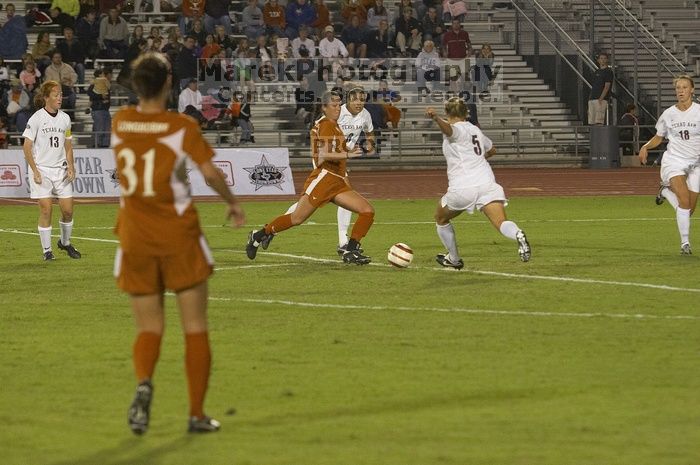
{"x":186,"y":63}
{"x":355,"y":38}
{"x":455,"y":42}
{"x":629,"y":130}
{"x":252,"y":22}
{"x":18,"y":106}
{"x":330,"y":47}
{"x":69,"y":7}
{"x":173,"y":47}
{"x":408,"y":34}
{"x":155,"y":45}
{"x":242,"y":49}
{"x":99,"y":93}
{"x":132,"y":53}
{"x":353,"y":8}
{"x":225,"y":41}
{"x":211,"y":48}
{"x":13,"y":35}
{"x":263,"y":52}
{"x":427,"y":66}
{"x":432,"y":26}
{"x":378,"y":44}
{"x":303,"y":42}
{"x":244,"y":121}
{"x":406,"y":5}
{"x":72,"y":52}
{"x":4,"y":140}
{"x":41,"y":51}
{"x":64,"y":74}
{"x":191,"y":9}
{"x":388,"y":98}
{"x":274,"y":18}
{"x":323,"y":18}
{"x":87,"y":29}
{"x":30,"y":77}
{"x":136,"y":34}
{"x":190,"y":102}
{"x":199,"y":34}
{"x":217,"y":12}
{"x":60,"y":18}
{"x":305,"y":101}
{"x":114,"y":35}
{"x":454,"y":10}
{"x":299,"y":13}
{"x":377,"y":13}
{"x":600,"y":91}
{"x":4,"y":75}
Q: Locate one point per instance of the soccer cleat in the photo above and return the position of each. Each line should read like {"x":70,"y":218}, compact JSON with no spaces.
{"x":444,"y":260}
{"x":48,"y":255}
{"x":344,"y":248}
{"x":660,"y":196}
{"x":523,"y":246}
{"x":265,"y":241}
{"x":251,"y":249}
{"x":356,"y":257}
{"x":685,"y":249}
{"x":203,"y":425}
{"x":140,"y":409}
{"x":70,"y":250}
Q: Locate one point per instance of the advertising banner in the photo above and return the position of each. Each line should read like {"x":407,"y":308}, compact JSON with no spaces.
{"x":248,"y":171}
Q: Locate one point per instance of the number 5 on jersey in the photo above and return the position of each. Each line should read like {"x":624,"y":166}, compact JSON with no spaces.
{"x":129,"y":172}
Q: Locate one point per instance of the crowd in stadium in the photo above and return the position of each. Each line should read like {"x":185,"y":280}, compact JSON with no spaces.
{"x":186,"y":31}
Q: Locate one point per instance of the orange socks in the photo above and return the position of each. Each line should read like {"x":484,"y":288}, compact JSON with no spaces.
{"x":146,"y":352}
{"x":197,"y":365}
{"x":279,"y":224}
{"x":362,"y":225}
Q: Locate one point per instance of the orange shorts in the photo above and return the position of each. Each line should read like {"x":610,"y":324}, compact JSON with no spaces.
{"x":142,"y":275}
{"x":323,"y":187}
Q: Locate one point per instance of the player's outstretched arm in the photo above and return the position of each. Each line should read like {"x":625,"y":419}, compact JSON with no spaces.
{"x":444,"y":126}
{"x":216,"y":180}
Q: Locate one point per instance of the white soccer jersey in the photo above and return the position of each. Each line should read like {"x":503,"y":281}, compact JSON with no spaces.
{"x":682,"y":129}
{"x":352,"y":126}
{"x":465,"y":151}
{"x":48,"y":133}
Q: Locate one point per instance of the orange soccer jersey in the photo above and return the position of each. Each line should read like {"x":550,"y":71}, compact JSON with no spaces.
{"x":327,"y":134}
{"x":156,"y":215}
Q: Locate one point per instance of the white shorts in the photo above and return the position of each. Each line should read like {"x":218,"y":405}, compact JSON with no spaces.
{"x":471,"y":198}
{"x":54,"y":183}
{"x":671,"y":167}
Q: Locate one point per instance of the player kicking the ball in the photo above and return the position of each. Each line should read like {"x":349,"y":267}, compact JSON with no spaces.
{"x":471,"y":183}
{"x":49,"y":154}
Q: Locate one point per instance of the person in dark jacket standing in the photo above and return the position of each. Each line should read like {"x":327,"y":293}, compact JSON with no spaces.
{"x":217,"y":12}
{"x":186,"y":62}
{"x":72,"y":52}
{"x":600,"y":91}
{"x":99,"y":107}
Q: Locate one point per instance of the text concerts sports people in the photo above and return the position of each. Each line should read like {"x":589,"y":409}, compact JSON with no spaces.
{"x":471,"y":183}
{"x":680,"y":164}
{"x":161,"y":245}
{"x":49,"y":154}
{"x":354,"y":119}
{"x":328,"y":182}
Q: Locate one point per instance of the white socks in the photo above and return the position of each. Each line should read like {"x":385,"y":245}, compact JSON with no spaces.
{"x":509,"y":229}
{"x":446,"y":233}
{"x":66,"y":231}
{"x":344,"y":219}
{"x":668,"y":194}
{"x":45,"y":237}
{"x":683,"y":220}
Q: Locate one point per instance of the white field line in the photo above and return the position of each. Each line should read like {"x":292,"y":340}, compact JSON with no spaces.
{"x":475,"y":311}
{"x":662,"y":287}
{"x":409,"y":223}
{"x":245,"y":267}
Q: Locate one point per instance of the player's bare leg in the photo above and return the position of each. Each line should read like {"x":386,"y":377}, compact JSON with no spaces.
{"x":44,"y":228}
{"x":496,"y":213}
{"x":303,"y":210}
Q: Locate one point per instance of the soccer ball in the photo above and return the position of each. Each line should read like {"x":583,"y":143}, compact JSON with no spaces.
{"x":400,"y":255}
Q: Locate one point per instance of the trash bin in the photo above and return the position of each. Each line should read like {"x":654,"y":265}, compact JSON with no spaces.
{"x":605,"y":147}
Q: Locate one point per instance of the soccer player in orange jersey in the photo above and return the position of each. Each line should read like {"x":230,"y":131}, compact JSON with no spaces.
{"x":328,"y":182}
{"x":161,"y":245}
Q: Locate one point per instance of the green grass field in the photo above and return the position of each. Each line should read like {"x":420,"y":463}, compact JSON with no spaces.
{"x":589,"y":354}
